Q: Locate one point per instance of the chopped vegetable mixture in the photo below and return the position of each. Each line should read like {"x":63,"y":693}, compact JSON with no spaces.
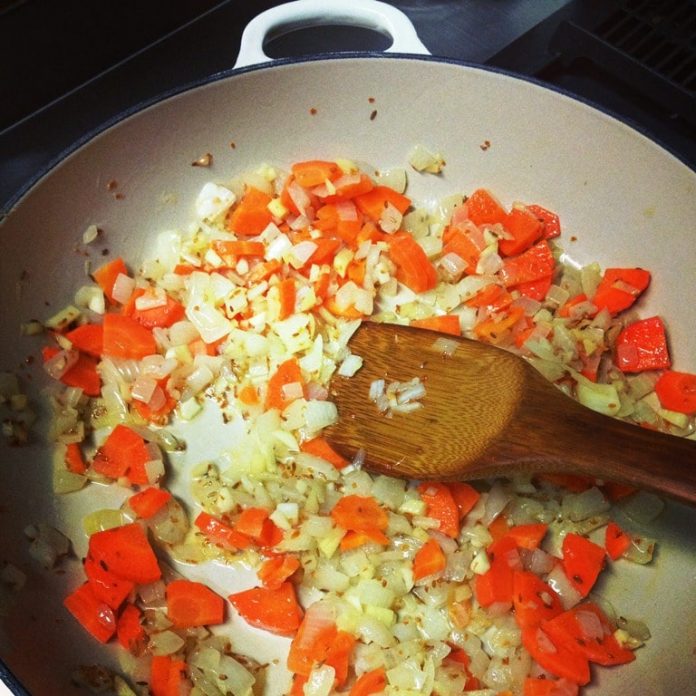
{"x":379,"y":585}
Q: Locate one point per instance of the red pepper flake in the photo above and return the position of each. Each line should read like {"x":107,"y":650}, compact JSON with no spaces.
{"x":485,"y":145}
{"x":313,"y":111}
{"x":371,"y":100}
{"x":112,"y":185}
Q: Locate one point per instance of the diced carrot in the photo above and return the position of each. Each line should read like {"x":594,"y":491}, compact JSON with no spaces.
{"x":496,"y":584}
{"x":483,"y":208}
{"x":446,"y":323}
{"x":616,"y":541}
{"x":106,"y":586}
{"x":162,"y":317}
{"x":320,"y":447}
{"x":149,"y":501}
{"x":550,"y":221}
{"x":465,"y":496}
{"x":325,"y":251}
{"x":535,"y":289}
{"x":522,"y":335}
{"x":315,"y":172}
{"x":528,"y":536}
{"x":372,"y":682}
{"x":339,"y":654}
{"x":167,"y":676}
{"x":370,"y":232}
{"x":123,"y":453}
{"x":565,"y":310}
{"x":287,"y":373}
{"x":298,"y":684}
{"x":326,"y":218}
{"x":251,"y":522}
{"x":276,"y":570}
{"x":360,"y":514}
{"x":346,"y":191}
{"x":193,"y":604}
{"x":533,"y":599}
{"x":106,"y":275}
{"x":461,"y":243}
{"x":287,"y":294}
{"x":536,"y":263}
{"x":499,"y":528}
{"x":524,"y":227}
{"x":126,"y":552}
{"x":353,"y":540}
{"x":263,"y":271}
{"x":160,"y":415}
{"x":95,"y":616}
{"x":248,"y":395}
{"x":125,"y":338}
{"x":313,"y":640}
{"x":348,"y":312}
{"x":429,"y":560}
{"x":413,"y":267}
{"x":88,"y":338}
{"x":677,"y":391}
{"x":129,"y":629}
{"x":74,"y":461}
{"x":356,"y":272}
{"x":234,"y":248}
{"x":496,"y":330}
{"x":576,"y":629}
{"x":374,"y":202}
{"x":493,"y":296}
{"x":321,"y":286}
{"x":220,"y":533}
{"x":440,"y":505}
{"x":642,"y":346}
{"x":613,"y":490}
{"x":583,"y":561}
{"x":558,"y":659}
{"x":251,"y":215}
{"x":83,"y":374}
{"x":573,"y":482}
{"x":275,"y":610}
{"x":184,"y":269}
{"x":620,"y":288}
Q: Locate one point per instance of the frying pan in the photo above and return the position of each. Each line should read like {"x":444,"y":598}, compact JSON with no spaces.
{"x":623,"y":200}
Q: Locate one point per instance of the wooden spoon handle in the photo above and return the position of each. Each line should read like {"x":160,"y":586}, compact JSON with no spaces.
{"x":578,"y":440}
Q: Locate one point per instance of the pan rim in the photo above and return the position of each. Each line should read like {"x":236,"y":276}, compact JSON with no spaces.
{"x":16,"y":198}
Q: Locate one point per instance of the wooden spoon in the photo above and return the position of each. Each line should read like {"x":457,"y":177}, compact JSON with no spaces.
{"x":487,"y":412}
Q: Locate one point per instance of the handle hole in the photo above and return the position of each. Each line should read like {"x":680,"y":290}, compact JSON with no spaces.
{"x":327,"y":38}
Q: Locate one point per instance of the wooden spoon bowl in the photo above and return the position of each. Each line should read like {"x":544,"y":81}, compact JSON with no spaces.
{"x":487,"y":412}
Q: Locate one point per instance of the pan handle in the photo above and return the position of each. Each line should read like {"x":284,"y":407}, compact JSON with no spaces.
{"x":370,"y":14}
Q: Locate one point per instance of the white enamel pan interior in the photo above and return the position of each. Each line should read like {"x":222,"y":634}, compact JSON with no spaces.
{"x":623,"y":200}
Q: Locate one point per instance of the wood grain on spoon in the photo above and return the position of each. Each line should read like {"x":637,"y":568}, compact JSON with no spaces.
{"x":487,"y":412}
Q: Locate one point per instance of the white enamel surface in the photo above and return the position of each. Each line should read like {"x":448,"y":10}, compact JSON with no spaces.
{"x":626,"y":200}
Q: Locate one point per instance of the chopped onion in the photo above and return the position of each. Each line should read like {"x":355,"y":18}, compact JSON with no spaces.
{"x":496,"y":501}
{"x":559,"y":583}
{"x":123,"y":288}
{"x":642,"y":507}
{"x":143,"y":388}
{"x":60,"y":363}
